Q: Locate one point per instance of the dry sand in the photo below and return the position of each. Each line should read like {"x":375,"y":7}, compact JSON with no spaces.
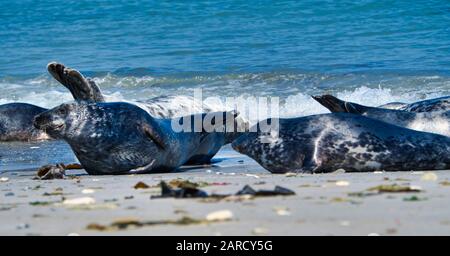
{"x":322,"y":204}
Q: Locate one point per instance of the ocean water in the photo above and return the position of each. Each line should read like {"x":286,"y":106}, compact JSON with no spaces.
{"x":370,"y":52}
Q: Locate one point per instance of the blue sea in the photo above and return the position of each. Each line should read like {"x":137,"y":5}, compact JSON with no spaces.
{"x":370,"y":52}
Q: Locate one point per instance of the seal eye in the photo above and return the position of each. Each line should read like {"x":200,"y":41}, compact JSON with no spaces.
{"x":62,"y":111}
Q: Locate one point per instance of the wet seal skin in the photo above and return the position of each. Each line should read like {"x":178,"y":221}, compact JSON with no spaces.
{"x":328,"y":142}
{"x":434,"y":121}
{"x":16,"y":122}
{"x":430,"y":105}
{"x":121,"y":138}
{"x":85,"y":89}
{"x":16,"y":119}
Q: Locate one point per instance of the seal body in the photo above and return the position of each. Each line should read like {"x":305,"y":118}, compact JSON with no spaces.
{"x":16,"y":122}
{"x":433,"y":121}
{"x":430,"y":105}
{"x":327,"y":142}
{"x":120,"y":138}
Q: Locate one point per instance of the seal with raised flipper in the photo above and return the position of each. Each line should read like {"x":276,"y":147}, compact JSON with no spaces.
{"x":434,"y":121}
{"x":121,"y":138}
{"x":355,"y":143}
{"x":163,"y":107}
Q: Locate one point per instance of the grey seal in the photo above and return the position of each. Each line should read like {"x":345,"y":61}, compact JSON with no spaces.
{"x":120,"y":138}
{"x":327,"y":142}
{"x":16,"y":122}
{"x":16,"y":119}
{"x":434,"y":121}
{"x":85,"y":89}
{"x":430,"y":105}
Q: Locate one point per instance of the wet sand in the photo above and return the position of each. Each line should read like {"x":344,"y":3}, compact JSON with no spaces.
{"x":324,"y":204}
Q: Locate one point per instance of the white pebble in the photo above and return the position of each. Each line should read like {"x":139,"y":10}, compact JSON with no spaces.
{"x":342,"y":183}
{"x":79,"y":201}
{"x":4,"y":179}
{"x":429,"y":176}
{"x":88,"y":191}
{"x":220,"y":215}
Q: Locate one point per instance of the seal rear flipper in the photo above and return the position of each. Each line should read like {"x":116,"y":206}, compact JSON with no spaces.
{"x":82,"y":89}
{"x":336,"y":105}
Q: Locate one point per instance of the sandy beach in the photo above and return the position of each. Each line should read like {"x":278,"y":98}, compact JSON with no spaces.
{"x":324,"y":204}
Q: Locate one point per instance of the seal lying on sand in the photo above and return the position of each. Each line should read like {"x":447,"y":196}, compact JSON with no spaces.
{"x":119,"y":138}
{"x":327,"y":142}
{"x":430,"y":105}
{"x":16,"y":122}
{"x":435,"y":122}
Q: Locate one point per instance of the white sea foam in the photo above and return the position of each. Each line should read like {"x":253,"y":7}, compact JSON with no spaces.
{"x":293,"y":90}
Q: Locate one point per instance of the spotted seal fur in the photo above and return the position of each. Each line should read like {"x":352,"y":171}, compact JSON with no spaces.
{"x":328,"y":142}
{"x":434,"y":121}
{"x":120,"y":138}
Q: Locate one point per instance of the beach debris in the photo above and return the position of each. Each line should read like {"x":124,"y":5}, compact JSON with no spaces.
{"x":402,"y":179}
{"x":73,"y":166}
{"x":4,"y":179}
{"x":79,"y":201}
{"x":339,"y":200}
{"x":259,"y":183}
{"x":9,"y":194}
{"x":413,"y":199}
{"x":373,"y":234}
{"x":290,"y":174}
{"x":128,"y":197}
{"x":41,"y":203}
{"x":445,"y":183}
{"x":252,"y":175}
{"x":378,"y":172}
{"x":278,"y":191}
{"x":141,"y":185}
{"x":282,"y":211}
{"x":188,"y":191}
{"x":342,"y":183}
{"x":222,"y":215}
{"x":226,"y":173}
{"x":260,"y":231}
{"x":128,"y":223}
{"x":23,"y":226}
{"x":180,"y":211}
{"x":429,"y":176}
{"x":73,"y":234}
{"x":56,"y":192}
{"x":49,"y":172}
{"x":339,"y":171}
{"x":391,"y":188}
{"x":181,"y":183}
{"x":87,"y":191}
{"x":395,"y":188}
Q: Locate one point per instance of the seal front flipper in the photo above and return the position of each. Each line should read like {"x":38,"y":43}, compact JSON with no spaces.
{"x":82,"y":89}
{"x":336,"y":105}
{"x":154,"y":133}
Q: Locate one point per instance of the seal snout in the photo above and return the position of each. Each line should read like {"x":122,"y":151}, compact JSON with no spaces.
{"x":45,"y":121}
